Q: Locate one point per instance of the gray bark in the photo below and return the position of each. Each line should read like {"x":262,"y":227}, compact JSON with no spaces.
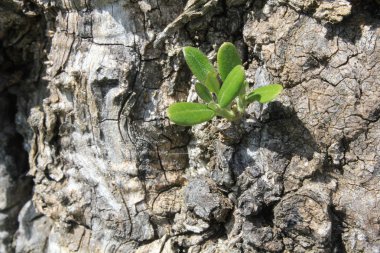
{"x":84,"y":86}
{"x":22,"y":44}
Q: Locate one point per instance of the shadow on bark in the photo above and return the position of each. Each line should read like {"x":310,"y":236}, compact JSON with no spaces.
{"x":281,"y":132}
{"x":364,"y":13}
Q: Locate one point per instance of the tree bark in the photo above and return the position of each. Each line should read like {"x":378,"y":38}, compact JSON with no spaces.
{"x":84,"y":86}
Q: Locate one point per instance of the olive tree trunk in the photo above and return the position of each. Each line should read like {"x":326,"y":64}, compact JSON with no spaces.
{"x":84,"y":87}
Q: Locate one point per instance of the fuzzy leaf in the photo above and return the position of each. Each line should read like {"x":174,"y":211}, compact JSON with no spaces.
{"x":227,"y":58}
{"x":198,"y":63}
{"x":188,"y":114}
{"x":203,"y":92}
{"x":264,"y":94}
{"x":231,"y":86}
{"x":212,"y":82}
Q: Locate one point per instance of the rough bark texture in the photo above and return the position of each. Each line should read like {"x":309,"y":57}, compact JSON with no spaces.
{"x":22,"y":43}
{"x":83,"y":90}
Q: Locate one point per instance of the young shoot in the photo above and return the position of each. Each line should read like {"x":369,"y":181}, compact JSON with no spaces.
{"x":229,"y":99}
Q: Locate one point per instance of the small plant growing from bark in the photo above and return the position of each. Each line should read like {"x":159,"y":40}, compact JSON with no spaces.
{"x":228,"y":100}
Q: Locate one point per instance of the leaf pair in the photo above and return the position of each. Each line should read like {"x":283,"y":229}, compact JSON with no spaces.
{"x":230,"y":70}
{"x":232,"y":74}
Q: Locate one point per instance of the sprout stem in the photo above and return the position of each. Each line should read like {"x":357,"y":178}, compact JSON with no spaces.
{"x":229,"y":114}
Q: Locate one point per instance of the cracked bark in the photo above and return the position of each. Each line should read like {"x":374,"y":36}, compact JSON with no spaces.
{"x":84,"y":86}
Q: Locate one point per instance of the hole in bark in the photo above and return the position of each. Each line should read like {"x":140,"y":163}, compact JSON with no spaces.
{"x":16,"y":150}
{"x":56,"y":138}
{"x":268,"y":214}
{"x":337,"y":218}
{"x":14,"y":145}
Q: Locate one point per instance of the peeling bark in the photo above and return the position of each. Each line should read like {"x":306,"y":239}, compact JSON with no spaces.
{"x":112,"y":174}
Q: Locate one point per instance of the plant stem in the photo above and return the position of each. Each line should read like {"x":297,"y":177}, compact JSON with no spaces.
{"x":229,"y":114}
{"x":240,"y":104}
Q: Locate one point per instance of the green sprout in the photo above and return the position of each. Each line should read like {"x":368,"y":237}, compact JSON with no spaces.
{"x":228,"y":100}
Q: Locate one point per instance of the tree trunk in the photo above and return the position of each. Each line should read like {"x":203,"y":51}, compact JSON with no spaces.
{"x":84,"y":86}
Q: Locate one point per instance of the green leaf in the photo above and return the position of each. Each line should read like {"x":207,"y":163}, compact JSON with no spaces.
{"x":244,"y":88}
{"x":227,"y":58}
{"x":198,"y":63}
{"x":212,"y":82}
{"x":188,"y":114}
{"x":264,"y":94}
{"x":231,"y":86}
{"x":203,"y":92}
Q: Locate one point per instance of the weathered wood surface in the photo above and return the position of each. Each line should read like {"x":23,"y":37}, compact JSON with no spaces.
{"x":111,"y":174}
